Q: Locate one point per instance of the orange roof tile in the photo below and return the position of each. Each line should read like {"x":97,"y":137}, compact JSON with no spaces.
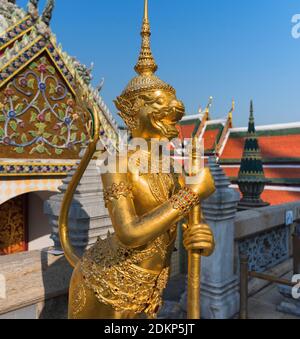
{"x":234,"y":148}
{"x":186,"y":131}
{"x":231,"y":172}
{"x":280,"y":197}
{"x":210,"y":139}
{"x":285,"y":146}
{"x":274,"y":173}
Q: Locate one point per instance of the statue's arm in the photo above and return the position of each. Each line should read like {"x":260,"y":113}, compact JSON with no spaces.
{"x":134,"y":231}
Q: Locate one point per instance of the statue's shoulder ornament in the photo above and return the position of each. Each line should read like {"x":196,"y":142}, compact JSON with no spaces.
{"x":116,"y":191}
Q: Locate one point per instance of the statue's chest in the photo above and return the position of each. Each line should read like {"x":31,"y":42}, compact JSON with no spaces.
{"x":152,"y":190}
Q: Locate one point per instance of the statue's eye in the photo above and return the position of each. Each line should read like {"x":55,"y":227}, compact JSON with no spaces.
{"x":160,"y":101}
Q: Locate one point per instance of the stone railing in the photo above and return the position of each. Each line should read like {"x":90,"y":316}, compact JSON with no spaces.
{"x":265,"y":235}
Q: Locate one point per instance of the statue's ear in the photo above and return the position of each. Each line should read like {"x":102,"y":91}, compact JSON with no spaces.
{"x":127,"y":112}
{"x":123,"y":105}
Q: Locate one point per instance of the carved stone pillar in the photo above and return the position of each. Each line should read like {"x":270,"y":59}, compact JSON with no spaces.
{"x":220,"y":285}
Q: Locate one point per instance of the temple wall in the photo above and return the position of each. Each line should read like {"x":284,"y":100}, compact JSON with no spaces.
{"x":39,"y":229}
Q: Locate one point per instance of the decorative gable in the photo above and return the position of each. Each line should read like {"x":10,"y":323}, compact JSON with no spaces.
{"x":40,"y":116}
{"x":44,"y":91}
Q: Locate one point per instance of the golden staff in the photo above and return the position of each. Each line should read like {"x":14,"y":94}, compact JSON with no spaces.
{"x":194,"y":256}
{"x":194,"y":271}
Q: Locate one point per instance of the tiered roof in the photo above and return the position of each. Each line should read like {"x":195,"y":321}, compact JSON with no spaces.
{"x":280,"y":151}
{"x":279,"y":143}
{"x":212,"y":135}
{"x":42,"y":89}
{"x":189,"y":126}
{"x":212,"y":132}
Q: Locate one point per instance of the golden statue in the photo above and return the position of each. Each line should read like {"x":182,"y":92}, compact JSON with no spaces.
{"x":123,"y":277}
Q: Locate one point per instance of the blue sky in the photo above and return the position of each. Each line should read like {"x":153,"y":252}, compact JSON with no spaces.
{"x":224,"y":48}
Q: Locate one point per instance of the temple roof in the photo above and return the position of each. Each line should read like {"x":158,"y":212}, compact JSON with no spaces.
{"x":212,"y":134}
{"x":280,"y":152}
{"x":280,"y":197}
{"x":10,"y":15}
{"x":201,"y":126}
{"x":188,"y":126}
{"x":279,"y":145}
{"x":25,"y":37}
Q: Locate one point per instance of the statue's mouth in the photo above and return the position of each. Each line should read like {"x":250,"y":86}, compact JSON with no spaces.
{"x":168,"y":120}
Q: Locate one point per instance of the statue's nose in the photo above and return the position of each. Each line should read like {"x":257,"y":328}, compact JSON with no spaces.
{"x":177,"y":104}
{"x":179,"y":108}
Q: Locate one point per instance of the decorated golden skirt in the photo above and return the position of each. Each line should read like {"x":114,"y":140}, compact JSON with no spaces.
{"x":117,"y":281}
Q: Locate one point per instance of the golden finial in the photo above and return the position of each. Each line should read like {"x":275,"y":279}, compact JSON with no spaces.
{"x":146,"y":64}
{"x":230,"y":114}
{"x":146,"y":15}
{"x":210,"y":102}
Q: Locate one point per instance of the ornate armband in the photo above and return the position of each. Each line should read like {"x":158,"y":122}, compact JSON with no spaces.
{"x":185,"y":200}
{"x":116,"y":191}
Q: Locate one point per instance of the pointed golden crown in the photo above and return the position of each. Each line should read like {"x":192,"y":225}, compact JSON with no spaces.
{"x":146,"y":66}
{"x":146,"y":63}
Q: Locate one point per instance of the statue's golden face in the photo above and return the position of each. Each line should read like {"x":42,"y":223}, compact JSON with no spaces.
{"x":152,"y":114}
{"x":160,"y":115}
